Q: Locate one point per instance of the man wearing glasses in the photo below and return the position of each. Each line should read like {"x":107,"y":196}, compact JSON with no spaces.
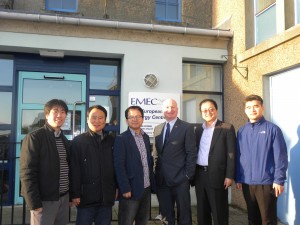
{"x":133,"y":167}
{"x":215,"y":165}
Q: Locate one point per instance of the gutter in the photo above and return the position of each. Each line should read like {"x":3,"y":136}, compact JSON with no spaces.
{"x":11,"y":15}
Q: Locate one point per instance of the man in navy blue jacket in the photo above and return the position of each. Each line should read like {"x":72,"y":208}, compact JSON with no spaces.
{"x":261,"y":163}
{"x":133,"y":168}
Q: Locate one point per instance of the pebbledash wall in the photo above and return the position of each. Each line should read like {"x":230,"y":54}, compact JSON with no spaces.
{"x":273,"y":72}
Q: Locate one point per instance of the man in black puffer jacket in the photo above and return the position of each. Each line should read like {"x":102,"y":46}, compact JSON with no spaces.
{"x":93,"y":186}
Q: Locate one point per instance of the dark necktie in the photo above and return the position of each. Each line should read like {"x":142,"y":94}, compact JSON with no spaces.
{"x":167,"y":134}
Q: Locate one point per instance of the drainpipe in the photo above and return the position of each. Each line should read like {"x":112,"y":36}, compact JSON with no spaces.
{"x":11,"y":15}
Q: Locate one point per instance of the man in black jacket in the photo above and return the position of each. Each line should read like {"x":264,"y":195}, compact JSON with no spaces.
{"x":44,"y":168}
{"x":93,"y":186}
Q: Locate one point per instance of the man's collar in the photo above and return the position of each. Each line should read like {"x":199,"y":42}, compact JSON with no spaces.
{"x":134,"y":133}
{"x":172,"y":122}
{"x":212,"y":125}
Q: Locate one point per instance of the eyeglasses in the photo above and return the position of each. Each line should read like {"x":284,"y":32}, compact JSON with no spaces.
{"x":134,"y":117}
{"x":208,"y":110}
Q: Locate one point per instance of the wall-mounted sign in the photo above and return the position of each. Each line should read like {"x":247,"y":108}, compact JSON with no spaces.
{"x":151,"y":103}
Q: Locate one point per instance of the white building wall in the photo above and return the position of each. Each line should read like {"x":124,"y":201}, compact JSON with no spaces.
{"x":138,"y":58}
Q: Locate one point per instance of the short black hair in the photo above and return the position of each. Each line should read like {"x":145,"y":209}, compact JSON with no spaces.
{"x":134,"y":107}
{"x":250,"y":98}
{"x":208,"y":100}
{"x":55,"y":102}
{"x":100,"y":107}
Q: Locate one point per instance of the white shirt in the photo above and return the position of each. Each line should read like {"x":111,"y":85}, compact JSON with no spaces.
{"x":205,"y":143}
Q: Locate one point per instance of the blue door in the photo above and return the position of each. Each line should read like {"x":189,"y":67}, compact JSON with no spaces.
{"x":34,"y":90}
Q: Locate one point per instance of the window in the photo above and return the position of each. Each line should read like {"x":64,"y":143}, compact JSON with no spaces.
{"x":169,"y":10}
{"x":5,"y":103}
{"x":105,"y":90}
{"x":265,"y":20}
{"x":297,"y":11}
{"x":6,"y":72}
{"x":62,"y":5}
{"x":200,"y":81}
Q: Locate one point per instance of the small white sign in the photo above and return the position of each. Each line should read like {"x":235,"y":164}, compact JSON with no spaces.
{"x":151,"y":103}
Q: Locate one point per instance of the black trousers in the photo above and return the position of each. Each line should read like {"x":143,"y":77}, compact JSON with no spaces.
{"x":261,"y":204}
{"x":212,"y":203}
{"x":179,"y":195}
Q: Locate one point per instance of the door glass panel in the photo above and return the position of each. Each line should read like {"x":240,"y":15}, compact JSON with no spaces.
{"x":34,"y":119}
{"x":111,"y":104}
{"x":34,"y":91}
{"x":5,"y":106}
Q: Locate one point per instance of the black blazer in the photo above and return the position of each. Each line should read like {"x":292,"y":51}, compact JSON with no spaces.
{"x":176,"y":160}
{"x":221,"y":159}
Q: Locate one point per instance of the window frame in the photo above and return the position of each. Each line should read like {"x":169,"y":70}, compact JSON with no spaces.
{"x":258,"y":14}
{"x":297,"y":12}
{"x":102,"y":92}
{"x":166,"y":3}
{"x":212,"y":93}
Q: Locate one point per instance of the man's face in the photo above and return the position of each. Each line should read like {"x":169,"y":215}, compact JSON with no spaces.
{"x":170,"y":109}
{"x":209,"y":112}
{"x":96,"y":120}
{"x":56,"y":117}
{"x":254,"y":110}
{"x":134,"y":119}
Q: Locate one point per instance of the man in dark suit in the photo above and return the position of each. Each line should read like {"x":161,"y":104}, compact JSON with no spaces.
{"x":134,"y":170}
{"x":215,"y":169}
{"x":175,"y":152}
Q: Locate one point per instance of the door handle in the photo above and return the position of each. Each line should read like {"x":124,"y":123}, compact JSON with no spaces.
{"x":54,"y":78}
{"x":74,"y":112}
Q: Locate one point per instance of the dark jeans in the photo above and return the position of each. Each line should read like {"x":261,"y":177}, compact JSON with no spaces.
{"x":101,"y":215}
{"x":137,"y":210}
{"x":261,"y":204}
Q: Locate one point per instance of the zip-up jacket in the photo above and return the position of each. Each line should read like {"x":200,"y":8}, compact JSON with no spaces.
{"x":261,"y":154}
{"x":39,"y":167}
{"x":92,"y":171}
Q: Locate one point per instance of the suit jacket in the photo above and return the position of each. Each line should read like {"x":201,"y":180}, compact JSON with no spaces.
{"x":128,"y":165}
{"x":176,"y":159}
{"x":221,"y":159}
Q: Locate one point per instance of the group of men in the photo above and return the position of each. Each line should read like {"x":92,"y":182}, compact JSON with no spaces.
{"x":96,"y":168}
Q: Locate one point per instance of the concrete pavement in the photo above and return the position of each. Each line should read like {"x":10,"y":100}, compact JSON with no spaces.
{"x":236,"y":216}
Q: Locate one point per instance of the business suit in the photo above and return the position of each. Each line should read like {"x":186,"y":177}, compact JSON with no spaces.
{"x":130,"y":176}
{"x":212,"y":198}
{"x":175,"y":165}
